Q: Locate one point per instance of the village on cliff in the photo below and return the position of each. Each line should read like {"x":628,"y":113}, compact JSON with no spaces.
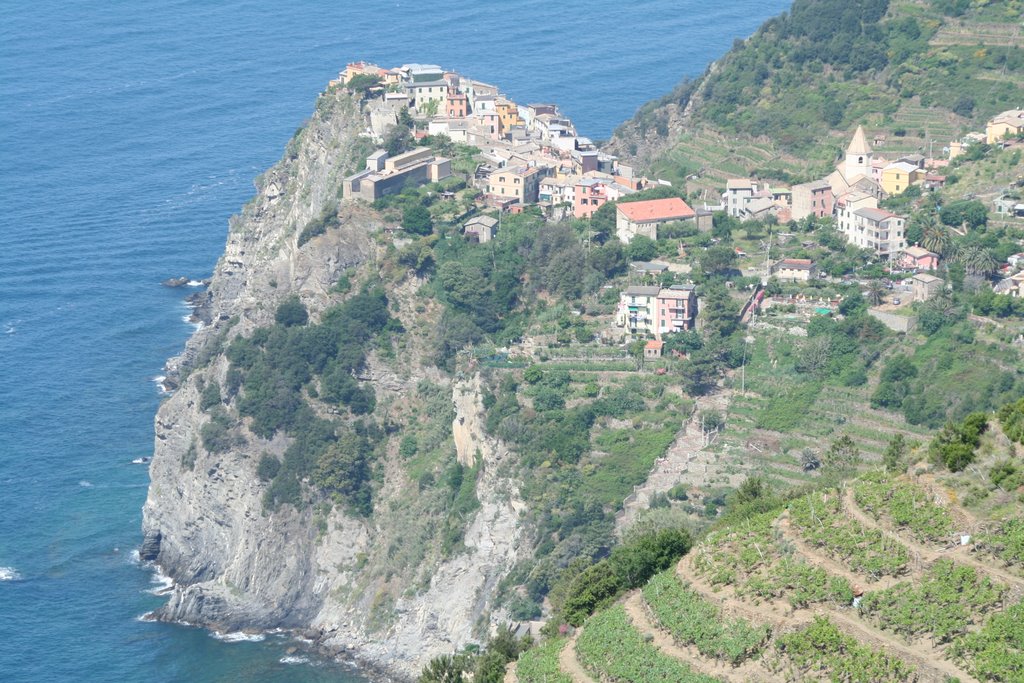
{"x":532,"y":156}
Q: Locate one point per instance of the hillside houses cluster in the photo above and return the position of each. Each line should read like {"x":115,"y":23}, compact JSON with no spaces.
{"x":851,"y":194}
{"x":529,"y":154}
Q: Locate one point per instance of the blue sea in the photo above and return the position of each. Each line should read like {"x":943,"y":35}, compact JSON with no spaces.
{"x":129,"y":132}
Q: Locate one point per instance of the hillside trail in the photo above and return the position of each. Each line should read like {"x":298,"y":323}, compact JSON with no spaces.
{"x":930,"y":660}
{"x":571,"y":666}
{"x":510,"y":674}
{"x":819,"y":559}
{"x":960,"y":553}
{"x":682,"y":454}
{"x":638,"y":614}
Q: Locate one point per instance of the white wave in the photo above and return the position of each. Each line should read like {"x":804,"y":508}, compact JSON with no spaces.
{"x":238,"y":637}
{"x":140,"y":461}
{"x":293,"y":659}
{"x":85,"y":484}
{"x":194,"y":283}
{"x":9,"y":574}
{"x":133,"y":557}
{"x":160,"y":386}
{"x":162,"y":584}
{"x":10,"y":329}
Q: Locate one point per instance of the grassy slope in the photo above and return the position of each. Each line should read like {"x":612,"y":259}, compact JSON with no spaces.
{"x":788,"y":98}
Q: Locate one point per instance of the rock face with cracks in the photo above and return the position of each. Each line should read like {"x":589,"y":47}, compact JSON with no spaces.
{"x":239,"y":566}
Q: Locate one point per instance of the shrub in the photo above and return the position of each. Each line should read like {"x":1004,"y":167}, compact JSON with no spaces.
{"x":291,"y":312}
{"x":216,"y":434}
{"x":416,"y":219}
{"x":954,"y":446}
{"x":268,"y":468}
{"x":210,"y":396}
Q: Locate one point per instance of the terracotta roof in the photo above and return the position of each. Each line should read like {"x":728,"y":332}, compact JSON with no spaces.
{"x":656,"y":210}
{"x":655,"y":345}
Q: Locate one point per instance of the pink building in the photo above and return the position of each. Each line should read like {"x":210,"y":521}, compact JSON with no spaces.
{"x":812,"y":199}
{"x":591,"y":194}
{"x":919,"y":258}
{"x":457,"y":104}
{"x":675,"y":309}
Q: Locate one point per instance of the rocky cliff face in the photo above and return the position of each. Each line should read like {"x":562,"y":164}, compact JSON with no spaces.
{"x":238,"y":566}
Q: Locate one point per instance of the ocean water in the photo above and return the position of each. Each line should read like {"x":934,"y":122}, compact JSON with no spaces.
{"x":129,"y":132}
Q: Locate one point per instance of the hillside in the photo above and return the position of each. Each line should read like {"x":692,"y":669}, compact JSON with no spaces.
{"x":868,"y":582}
{"x":916,"y":73}
{"x":395,"y":435}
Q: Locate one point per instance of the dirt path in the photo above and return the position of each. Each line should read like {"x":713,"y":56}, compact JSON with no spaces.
{"x":817,"y":558}
{"x":510,"y":674}
{"x":661,"y":639}
{"x":684,"y":460}
{"x":571,"y":666}
{"x":960,"y":554}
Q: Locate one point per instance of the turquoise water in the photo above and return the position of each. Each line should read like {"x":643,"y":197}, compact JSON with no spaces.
{"x":129,"y":132}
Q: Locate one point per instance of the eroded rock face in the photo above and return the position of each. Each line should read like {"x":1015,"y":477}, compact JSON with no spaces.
{"x":237,"y":566}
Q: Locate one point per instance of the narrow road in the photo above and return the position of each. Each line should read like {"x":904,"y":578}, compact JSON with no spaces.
{"x":571,"y":666}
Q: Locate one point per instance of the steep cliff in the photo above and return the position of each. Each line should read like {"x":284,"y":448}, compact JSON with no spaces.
{"x":379,"y":586}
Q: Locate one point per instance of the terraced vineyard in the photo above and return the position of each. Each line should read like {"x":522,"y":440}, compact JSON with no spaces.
{"x":905,"y":506}
{"x":852,"y":585}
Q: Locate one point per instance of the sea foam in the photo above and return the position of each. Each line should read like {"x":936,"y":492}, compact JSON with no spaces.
{"x":9,"y":574}
{"x":238,"y":637}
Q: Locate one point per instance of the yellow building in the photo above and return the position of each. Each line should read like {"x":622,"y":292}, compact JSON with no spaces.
{"x":519,"y":182}
{"x":897,"y":177}
{"x":1008,"y":123}
{"x":508,"y":114}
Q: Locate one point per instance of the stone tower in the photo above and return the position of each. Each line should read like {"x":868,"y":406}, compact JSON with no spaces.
{"x":858,"y":157}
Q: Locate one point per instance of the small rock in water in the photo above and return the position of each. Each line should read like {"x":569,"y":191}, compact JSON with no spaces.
{"x":292,"y":650}
{"x":175,"y":281}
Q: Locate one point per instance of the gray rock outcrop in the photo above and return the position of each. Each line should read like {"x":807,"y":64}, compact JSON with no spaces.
{"x":238,"y":566}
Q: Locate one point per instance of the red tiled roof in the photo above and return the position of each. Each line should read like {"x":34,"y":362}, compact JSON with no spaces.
{"x":655,"y":345}
{"x":657,"y":210}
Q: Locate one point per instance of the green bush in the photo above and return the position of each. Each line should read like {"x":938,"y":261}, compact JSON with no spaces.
{"x":216,"y":433}
{"x":210,"y":396}
{"x":268,"y":467}
{"x":955,"y":444}
{"x":291,"y":312}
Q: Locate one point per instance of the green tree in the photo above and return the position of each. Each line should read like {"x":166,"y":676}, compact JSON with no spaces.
{"x":718,"y":260}
{"x":641,"y":248}
{"x":894,"y":454}
{"x":447,"y":669}
{"x":841,"y":459}
{"x":291,"y":312}
{"x":362,"y":84}
{"x":416,"y":219}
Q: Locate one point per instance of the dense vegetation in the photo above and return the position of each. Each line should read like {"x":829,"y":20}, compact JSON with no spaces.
{"x":822,"y":523}
{"x":273,"y":371}
{"x":829,"y":64}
